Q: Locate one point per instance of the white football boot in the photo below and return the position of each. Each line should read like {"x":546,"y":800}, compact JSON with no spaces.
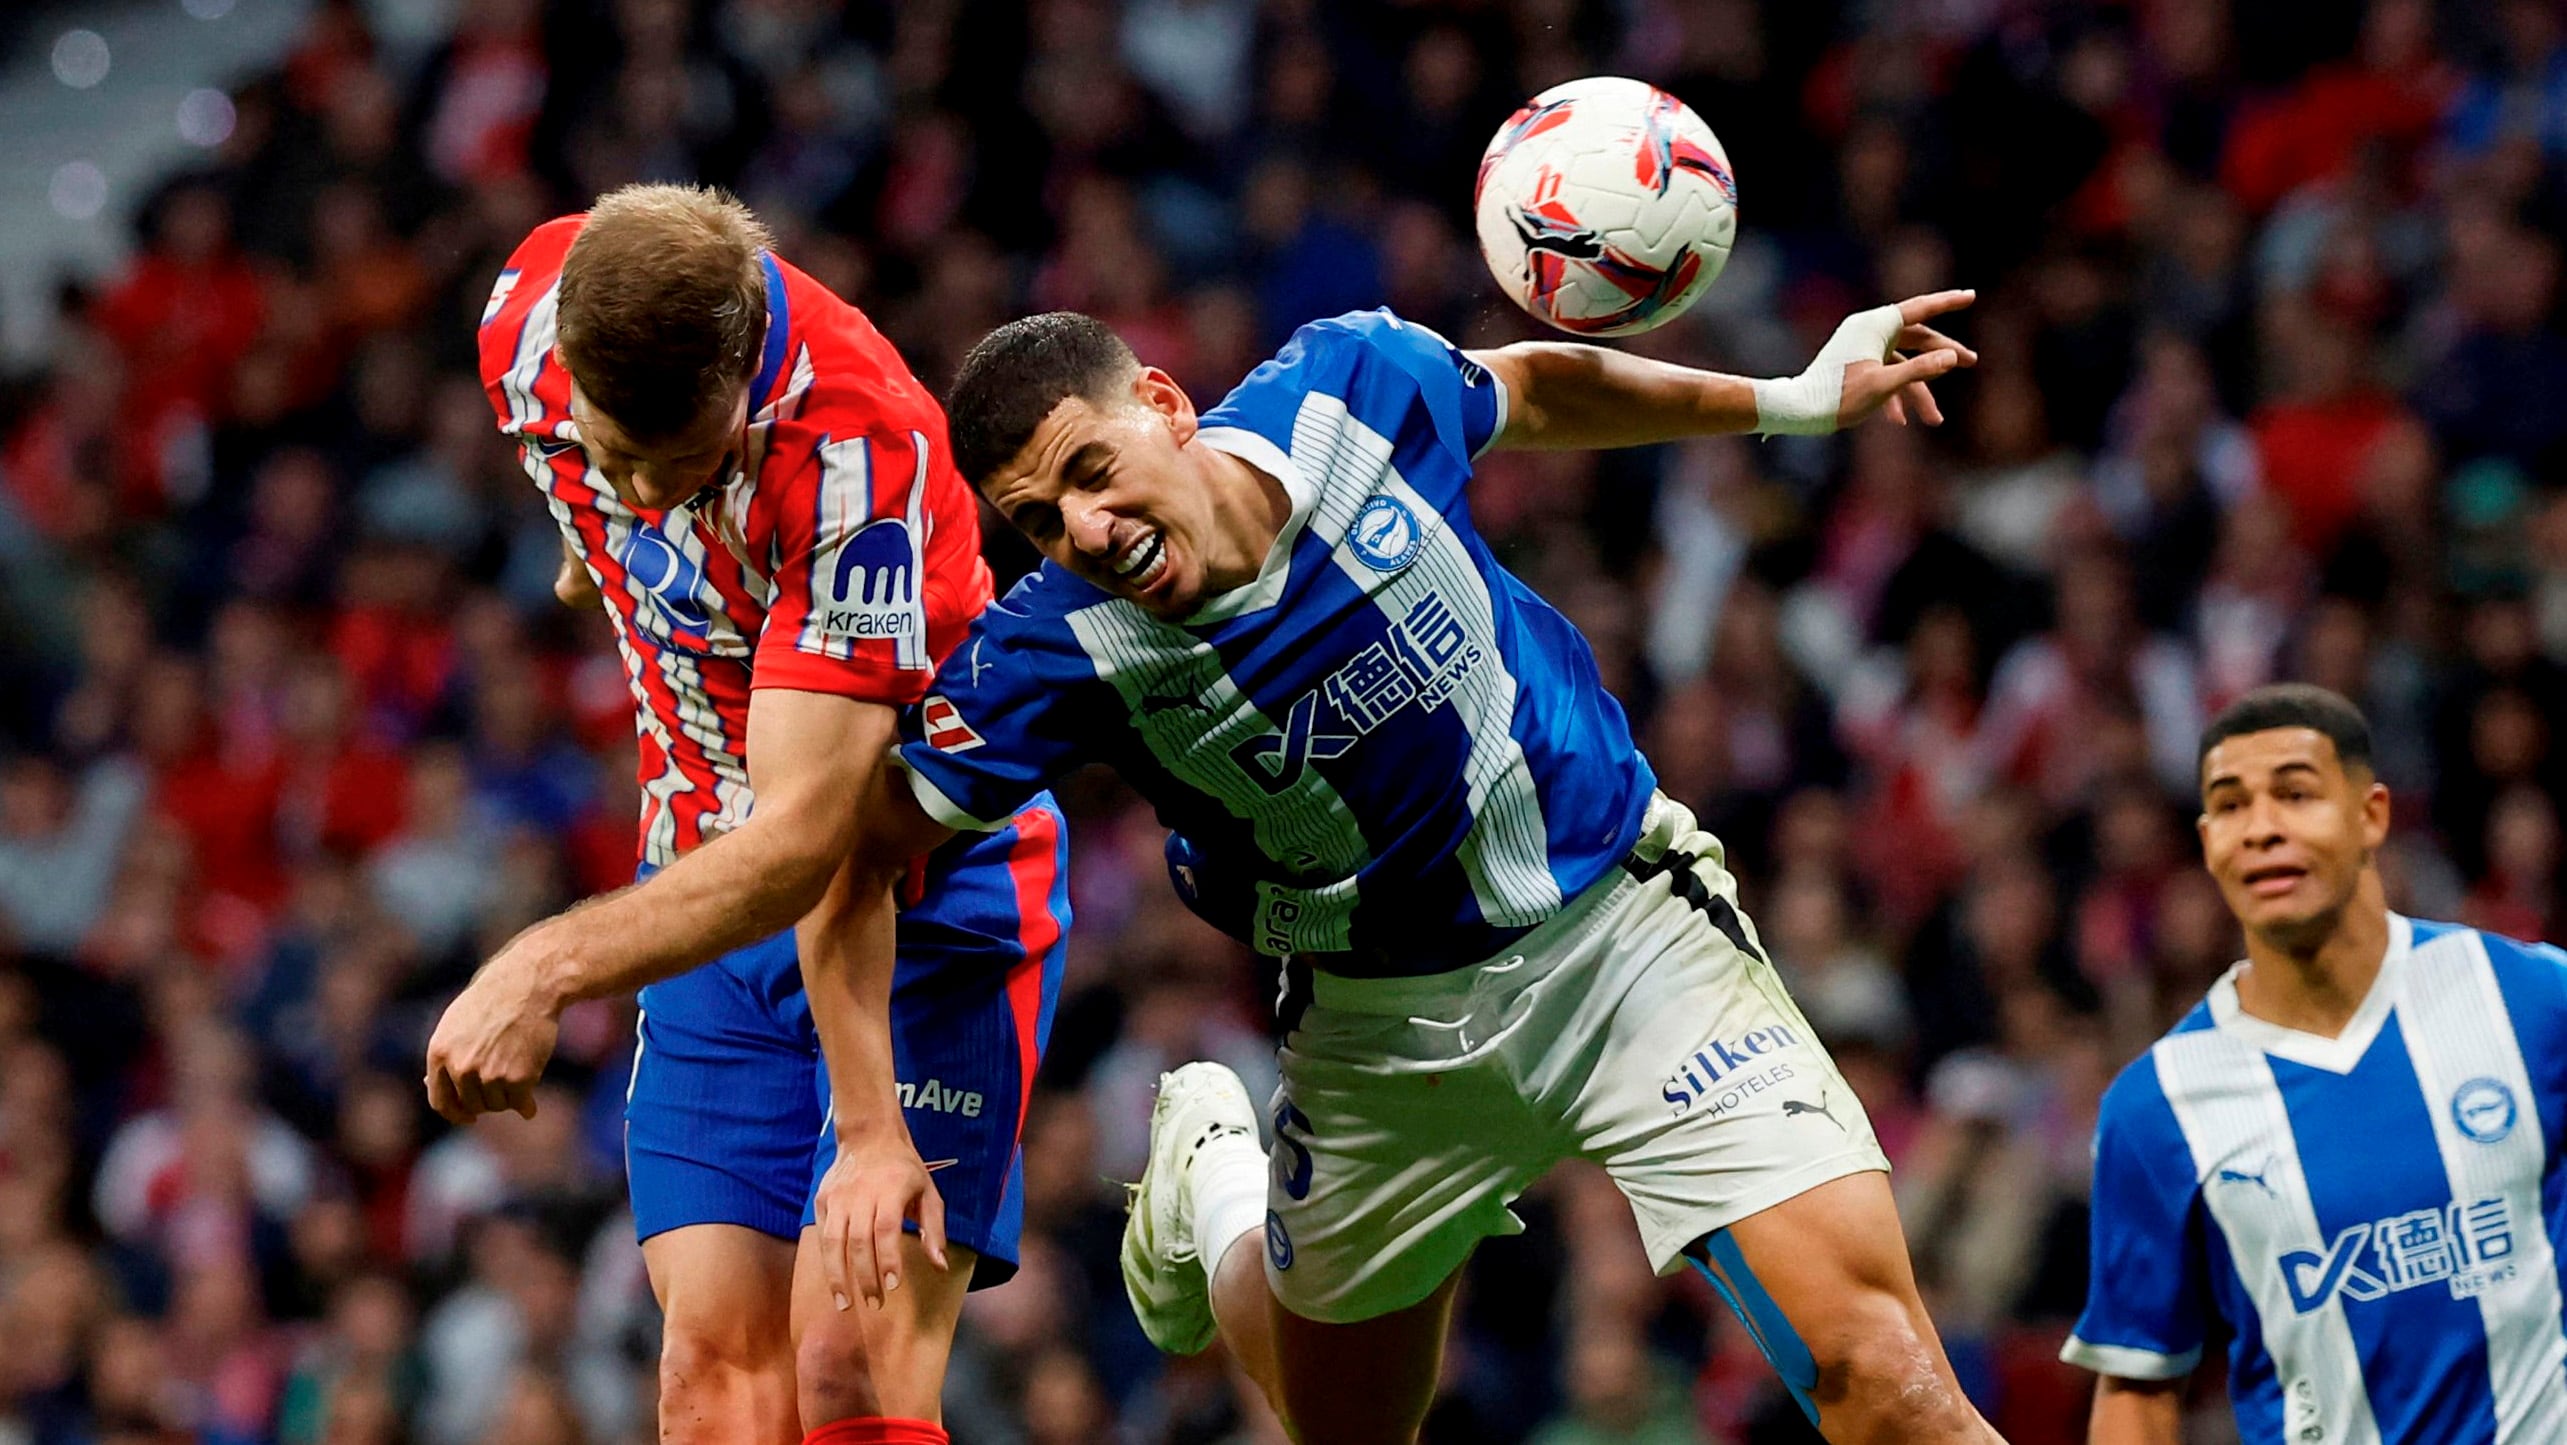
{"x":1201,"y":1107}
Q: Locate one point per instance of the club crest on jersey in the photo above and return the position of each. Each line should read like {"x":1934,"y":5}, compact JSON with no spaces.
{"x":2484,"y":1109}
{"x":946,"y":730}
{"x":873,"y":590}
{"x":674,"y":581}
{"x":1385,"y":535}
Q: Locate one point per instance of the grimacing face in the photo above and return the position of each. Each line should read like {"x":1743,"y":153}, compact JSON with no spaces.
{"x":1108,"y":491}
{"x":661,"y":473}
{"x":2287,"y":829}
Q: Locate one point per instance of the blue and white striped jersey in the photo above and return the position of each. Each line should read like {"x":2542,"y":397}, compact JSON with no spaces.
{"x":1385,"y":745}
{"x":2371,"y":1222}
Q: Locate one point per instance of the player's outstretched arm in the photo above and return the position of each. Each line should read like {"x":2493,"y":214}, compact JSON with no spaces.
{"x":848,"y":945}
{"x":809,"y":754}
{"x":1564,"y":396}
{"x":2137,"y":1412}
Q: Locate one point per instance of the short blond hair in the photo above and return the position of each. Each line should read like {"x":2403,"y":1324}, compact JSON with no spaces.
{"x":663,"y":303}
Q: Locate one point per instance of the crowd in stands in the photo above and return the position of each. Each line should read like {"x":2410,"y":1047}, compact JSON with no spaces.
{"x":295,"y":733}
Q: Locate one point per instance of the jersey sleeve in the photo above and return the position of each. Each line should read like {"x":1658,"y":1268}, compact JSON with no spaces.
{"x":1007,"y":714}
{"x":2145,"y":1305}
{"x":852,"y":593}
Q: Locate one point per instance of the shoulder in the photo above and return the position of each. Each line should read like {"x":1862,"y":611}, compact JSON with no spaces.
{"x":1036,"y":612}
{"x":1336,"y":353}
{"x":517,"y":331}
{"x":1382,"y":337}
{"x":1368,"y":369}
{"x":531,"y":270}
{"x":2140,"y":1147}
{"x":2138,"y":1105}
{"x":2532,"y":977}
{"x":1025,"y":655}
{"x":834,"y":372}
{"x":2136,"y":1097}
{"x":2507,"y":954}
{"x":546,"y":245}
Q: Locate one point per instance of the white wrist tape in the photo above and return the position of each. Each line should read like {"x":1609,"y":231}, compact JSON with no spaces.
{"x":1806,"y":405}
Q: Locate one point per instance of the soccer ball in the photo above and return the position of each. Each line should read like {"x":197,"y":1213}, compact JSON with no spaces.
{"x":1605,"y":206}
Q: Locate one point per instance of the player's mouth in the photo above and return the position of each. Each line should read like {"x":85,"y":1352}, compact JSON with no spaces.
{"x":1143,"y":562}
{"x":2272,"y":880}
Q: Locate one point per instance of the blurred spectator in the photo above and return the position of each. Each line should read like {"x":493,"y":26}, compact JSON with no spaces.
{"x":2056,"y":697}
{"x":60,"y":840}
{"x":2311,"y":443}
{"x":1837,"y":977}
{"x":2521,"y":95}
{"x":438,"y":873}
{"x":469,"y":1175}
{"x":1913,"y":720}
{"x":1618,"y":1396}
{"x":210,"y":1178}
{"x":182,"y":318}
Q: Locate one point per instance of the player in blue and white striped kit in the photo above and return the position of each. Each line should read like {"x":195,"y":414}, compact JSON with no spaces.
{"x":1390,"y":765}
{"x":2344,"y":1163}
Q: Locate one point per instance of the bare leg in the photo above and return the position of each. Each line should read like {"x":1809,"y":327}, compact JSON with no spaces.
{"x":1243,"y":1305}
{"x":726,"y":1356}
{"x":861,"y":1361}
{"x":1194,"y":1264}
{"x":1834,"y":1263}
{"x":1368,"y":1383}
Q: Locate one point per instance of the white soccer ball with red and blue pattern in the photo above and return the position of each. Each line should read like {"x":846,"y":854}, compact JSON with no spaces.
{"x":1605,"y":206}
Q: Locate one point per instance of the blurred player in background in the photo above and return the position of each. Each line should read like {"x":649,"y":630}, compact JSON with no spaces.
{"x":1389,"y":764}
{"x":760,"y":493}
{"x":2345,"y":1161}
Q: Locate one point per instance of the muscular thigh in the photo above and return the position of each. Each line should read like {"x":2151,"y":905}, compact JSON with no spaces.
{"x":1701,"y":1089}
{"x":724,"y":1291}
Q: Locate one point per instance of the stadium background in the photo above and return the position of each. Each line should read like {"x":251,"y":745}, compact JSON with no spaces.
{"x":294,"y":731}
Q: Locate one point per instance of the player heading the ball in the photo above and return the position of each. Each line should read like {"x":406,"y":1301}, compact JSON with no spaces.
{"x":1390,"y":765}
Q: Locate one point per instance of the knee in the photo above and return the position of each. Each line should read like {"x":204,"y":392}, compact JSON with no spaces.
{"x":833,"y":1373}
{"x":848,"y":1366}
{"x":722,"y":1385}
{"x":1878,"y":1365}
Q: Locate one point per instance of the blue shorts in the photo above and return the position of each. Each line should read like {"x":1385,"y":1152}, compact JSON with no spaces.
{"x":727,"y":1118}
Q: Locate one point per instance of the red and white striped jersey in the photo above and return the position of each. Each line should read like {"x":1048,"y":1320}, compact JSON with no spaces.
{"x":843,"y":556}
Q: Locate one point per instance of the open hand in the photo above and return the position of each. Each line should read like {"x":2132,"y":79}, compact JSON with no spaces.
{"x":872,"y":1187}
{"x":1896,"y":384}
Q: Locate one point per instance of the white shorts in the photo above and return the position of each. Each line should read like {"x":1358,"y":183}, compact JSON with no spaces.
{"x":1640,"y":1028}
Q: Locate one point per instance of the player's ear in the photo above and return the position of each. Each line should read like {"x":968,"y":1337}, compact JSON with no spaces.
{"x":1160,"y":393}
{"x":2375,"y":815}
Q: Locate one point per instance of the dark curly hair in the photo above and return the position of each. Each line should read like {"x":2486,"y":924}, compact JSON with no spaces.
{"x":1012,"y":378}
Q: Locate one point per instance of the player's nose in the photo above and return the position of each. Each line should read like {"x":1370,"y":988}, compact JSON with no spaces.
{"x":2263,"y":822}
{"x":1089,"y":527}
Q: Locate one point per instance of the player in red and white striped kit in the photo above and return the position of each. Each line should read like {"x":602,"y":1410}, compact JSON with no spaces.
{"x":760,"y":494}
